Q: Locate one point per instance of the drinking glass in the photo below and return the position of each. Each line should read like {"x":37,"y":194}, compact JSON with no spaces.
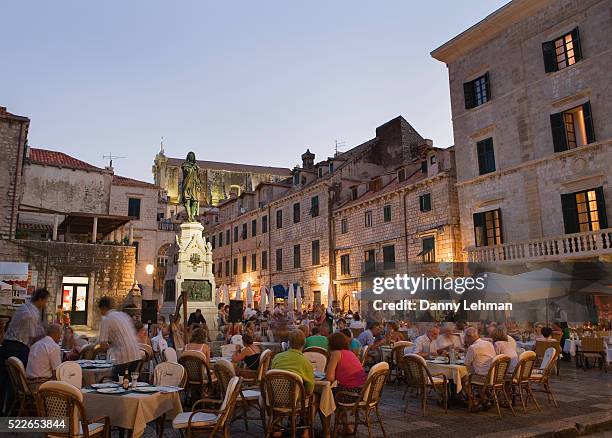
{"x":134,"y":375}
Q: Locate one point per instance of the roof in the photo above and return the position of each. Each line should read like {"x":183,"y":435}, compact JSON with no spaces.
{"x":82,"y":223}
{"x":124,"y":181}
{"x":4,"y":114}
{"x":234,"y":167}
{"x":59,"y":159}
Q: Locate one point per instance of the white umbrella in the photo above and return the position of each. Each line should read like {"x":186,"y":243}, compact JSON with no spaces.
{"x":299,"y":299}
{"x":263,"y":295}
{"x":217,"y":300}
{"x":330,"y":294}
{"x":249,"y":294}
{"x":226,"y":294}
{"x":290,"y":298}
{"x":238,"y":295}
{"x":271,"y":297}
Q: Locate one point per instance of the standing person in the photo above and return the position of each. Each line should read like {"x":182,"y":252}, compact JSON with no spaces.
{"x":24,"y":329}
{"x":117,"y":332}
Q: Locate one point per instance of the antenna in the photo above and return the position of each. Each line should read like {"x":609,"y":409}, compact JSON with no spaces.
{"x":111,"y":157}
{"x":336,"y":144}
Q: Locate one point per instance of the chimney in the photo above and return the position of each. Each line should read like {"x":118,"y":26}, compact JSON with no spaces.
{"x":308,"y":159}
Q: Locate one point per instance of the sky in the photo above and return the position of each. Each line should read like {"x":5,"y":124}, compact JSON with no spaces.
{"x":253,"y":82}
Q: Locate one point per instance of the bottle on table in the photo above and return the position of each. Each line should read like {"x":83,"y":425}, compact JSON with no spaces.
{"x":126,"y":380}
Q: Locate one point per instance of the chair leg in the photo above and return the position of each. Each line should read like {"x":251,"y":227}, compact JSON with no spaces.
{"x":520,"y":391}
{"x":380,"y":422}
{"x":508,"y":401}
{"x":495,"y":399}
{"x":552,"y":396}
{"x":367,"y":421}
{"x":532,"y":395}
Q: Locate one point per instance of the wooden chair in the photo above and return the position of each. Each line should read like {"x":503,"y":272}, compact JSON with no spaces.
{"x":418,"y":377}
{"x":215,"y":421}
{"x":318,"y":357}
{"x":199,"y":378}
{"x":61,"y":399}
{"x":593,"y":348}
{"x":23,"y":398}
{"x":492,"y":384}
{"x":285,"y":397}
{"x":365,"y":403}
{"x":541,"y":376}
{"x":70,"y":372}
{"x":520,"y":381}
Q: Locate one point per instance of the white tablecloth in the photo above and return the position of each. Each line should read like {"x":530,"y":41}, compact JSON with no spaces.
{"x":527,"y":345}
{"x":94,"y":375}
{"x":451,"y":371}
{"x":323,"y":389}
{"x":132,"y":411}
{"x":570,"y":346}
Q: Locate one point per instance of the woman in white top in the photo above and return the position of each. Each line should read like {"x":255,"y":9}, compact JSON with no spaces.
{"x":503,"y":346}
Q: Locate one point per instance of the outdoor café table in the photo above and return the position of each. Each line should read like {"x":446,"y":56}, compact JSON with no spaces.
{"x":570,"y":346}
{"x":527,"y":345}
{"x":94,"y":370}
{"x":386,"y":352}
{"x":452,"y":372}
{"x":132,"y":410}
{"x":327,"y":405}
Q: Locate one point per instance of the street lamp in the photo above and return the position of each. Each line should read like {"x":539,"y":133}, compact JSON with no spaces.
{"x":149,"y":269}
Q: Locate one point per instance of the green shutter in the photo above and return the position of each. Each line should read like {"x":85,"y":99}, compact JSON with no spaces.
{"x":570,"y":215}
{"x":588,"y":122}
{"x":550,"y":58}
{"x":601,"y":208}
{"x":558,"y":132}
{"x":577,"y":46}
{"x":468,"y":92}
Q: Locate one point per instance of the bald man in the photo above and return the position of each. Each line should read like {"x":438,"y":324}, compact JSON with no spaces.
{"x":480,"y":353}
{"x":45,"y":355}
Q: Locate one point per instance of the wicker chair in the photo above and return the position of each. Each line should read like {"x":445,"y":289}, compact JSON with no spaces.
{"x":285,"y":397}
{"x":61,"y":399}
{"x":318,"y":357}
{"x":593,"y":348}
{"x":215,"y":421}
{"x":364,"y":403}
{"x":264,"y":365}
{"x":364,"y":355}
{"x":70,"y":372}
{"x":492,"y":384}
{"x":520,"y":381}
{"x":169,"y":374}
{"x":397,"y":354}
{"x":418,"y":377}
{"x":541,"y":376}
{"x":23,"y":398}
{"x":170,"y":355}
{"x":542,"y":346}
{"x":199,"y":378}
{"x":320,"y":350}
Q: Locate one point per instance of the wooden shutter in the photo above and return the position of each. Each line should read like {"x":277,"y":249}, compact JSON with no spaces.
{"x":558,"y":132}
{"x":570,"y":215}
{"x":588,"y":122}
{"x":576,"y":43}
{"x":601,"y":208}
{"x":487,"y":86}
{"x":550,"y":57}
{"x":501,"y":226}
{"x":468,"y":92}
{"x":479,"y":229}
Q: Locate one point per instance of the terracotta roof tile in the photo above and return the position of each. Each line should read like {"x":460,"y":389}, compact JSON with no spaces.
{"x":124,"y":181}
{"x":59,"y":159}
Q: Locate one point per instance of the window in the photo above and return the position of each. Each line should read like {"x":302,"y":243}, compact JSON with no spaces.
{"x":425,"y":202}
{"x":235,"y":267}
{"x":254,"y":228}
{"x":562,"y":52}
{"x":368,"y":218}
{"x":236,"y":233}
{"x":345,"y":265}
{"x":296,"y":179}
{"x":213,"y":241}
{"x":244,"y":264}
{"x":428,"y":252}
{"x":253,"y":262}
{"x":316,"y":297}
{"x":316,"y":253}
{"x":344,"y":226}
{"x":387,"y":213}
{"x":401,"y":175}
{"x":572,"y":128}
{"x":297,"y":257}
{"x":369,"y":257}
{"x":432,"y":160}
{"x":331,"y":166}
{"x":244,"y":231}
{"x":389,"y":257}
{"x":279,"y":219}
{"x":135,"y":244}
{"x":227,"y":236}
{"x":134,"y":207}
{"x":227,"y":268}
{"x":477,"y":92}
{"x":264,"y":224}
{"x":220,"y":239}
{"x":320,"y":172}
{"x":584,"y":211}
{"x":314,"y":206}
{"x":424,"y":166}
{"x":264,"y":260}
{"x":279,"y":259}
{"x":296,"y":212}
{"x":488,"y":228}
{"x":354,"y":193}
{"x":486,"y":156}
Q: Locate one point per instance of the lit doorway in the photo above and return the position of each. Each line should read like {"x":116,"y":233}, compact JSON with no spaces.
{"x":75,"y":295}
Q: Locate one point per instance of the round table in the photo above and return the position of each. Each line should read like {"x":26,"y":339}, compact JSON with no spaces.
{"x":454,"y":372}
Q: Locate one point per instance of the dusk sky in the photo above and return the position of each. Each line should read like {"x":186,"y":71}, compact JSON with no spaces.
{"x":252,"y":82}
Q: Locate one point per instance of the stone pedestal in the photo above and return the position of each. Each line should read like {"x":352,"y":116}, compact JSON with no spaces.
{"x":190,"y":272}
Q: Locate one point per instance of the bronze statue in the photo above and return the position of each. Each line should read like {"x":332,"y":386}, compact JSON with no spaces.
{"x":191,"y":187}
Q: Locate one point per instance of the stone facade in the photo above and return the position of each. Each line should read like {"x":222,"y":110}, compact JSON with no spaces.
{"x":13,"y":140}
{"x":531,"y":175}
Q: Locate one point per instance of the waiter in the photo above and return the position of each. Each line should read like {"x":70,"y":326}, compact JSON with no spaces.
{"x":25,"y":328}
{"x":118,"y":334}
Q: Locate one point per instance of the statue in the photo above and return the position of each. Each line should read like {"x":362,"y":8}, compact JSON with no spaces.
{"x":191,"y":187}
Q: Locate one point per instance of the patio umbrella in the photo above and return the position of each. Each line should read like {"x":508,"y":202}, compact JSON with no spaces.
{"x":271,"y":297}
{"x":217,"y":299}
{"x":528,"y":286}
{"x":330,"y":293}
{"x":249,"y":294}
{"x":299,"y":300}
{"x":291,"y":297}
{"x":226,"y":294}
{"x":263,"y":294}
{"x":238,"y":295}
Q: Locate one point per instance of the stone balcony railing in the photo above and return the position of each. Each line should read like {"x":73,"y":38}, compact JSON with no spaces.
{"x":567,"y":246}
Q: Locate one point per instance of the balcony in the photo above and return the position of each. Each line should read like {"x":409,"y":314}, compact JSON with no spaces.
{"x":567,"y":246}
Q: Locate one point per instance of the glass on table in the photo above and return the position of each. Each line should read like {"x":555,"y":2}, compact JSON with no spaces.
{"x":134,"y":375}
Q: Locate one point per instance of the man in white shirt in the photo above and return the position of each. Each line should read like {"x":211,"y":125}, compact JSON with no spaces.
{"x":357,"y":323}
{"x":45,"y":355}
{"x":422,"y":344}
{"x":117,"y":332}
{"x":249,"y":312}
{"x":447,"y":340}
{"x":480,"y":353}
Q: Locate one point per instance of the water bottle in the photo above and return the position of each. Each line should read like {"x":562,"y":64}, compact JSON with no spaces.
{"x":452,"y":355}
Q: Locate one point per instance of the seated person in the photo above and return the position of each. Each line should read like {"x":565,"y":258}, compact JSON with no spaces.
{"x":197,"y":342}
{"x":343,"y":366}
{"x":294,"y":360}
{"x":546,"y":335}
{"x":357,"y":323}
{"x":317,"y":339}
{"x":249,"y":354}
{"x":423,"y":344}
{"x":341,"y":325}
{"x":447,"y":340}
{"x":72,"y":343}
{"x":370,"y":337}
{"x":141,"y":333}
{"x":503,"y":346}
{"x":354,"y":344}
{"x":45,"y":355}
{"x":394,"y":335}
{"x":480,"y":353}
{"x":158,"y":342}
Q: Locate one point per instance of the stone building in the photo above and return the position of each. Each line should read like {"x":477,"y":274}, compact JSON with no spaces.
{"x":285,"y":232}
{"x":532,"y":104}
{"x":220,"y":181}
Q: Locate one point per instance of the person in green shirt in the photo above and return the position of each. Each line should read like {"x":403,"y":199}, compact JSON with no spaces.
{"x":294,"y":360}
{"x":317,"y":339}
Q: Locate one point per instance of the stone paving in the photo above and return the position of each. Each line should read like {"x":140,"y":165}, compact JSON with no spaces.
{"x":583,"y":397}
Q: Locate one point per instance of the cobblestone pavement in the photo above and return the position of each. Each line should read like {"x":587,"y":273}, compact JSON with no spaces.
{"x":582,"y":397}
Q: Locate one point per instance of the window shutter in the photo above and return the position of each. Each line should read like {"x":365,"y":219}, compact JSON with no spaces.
{"x":558,"y":132}
{"x":468,"y":92}
{"x":550,"y":58}
{"x":576,"y":43}
{"x":570,"y":216}
{"x":501,"y":226}
{"x":487,"y":86}
{"x":588,"y":122}
{"x":601,"y":208}
{"x":479,"y":224}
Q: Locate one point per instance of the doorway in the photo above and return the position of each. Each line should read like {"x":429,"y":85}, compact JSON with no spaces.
{"x":75,"y":295}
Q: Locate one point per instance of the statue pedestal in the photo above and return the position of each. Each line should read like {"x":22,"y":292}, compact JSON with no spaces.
{"x":190,"y":272}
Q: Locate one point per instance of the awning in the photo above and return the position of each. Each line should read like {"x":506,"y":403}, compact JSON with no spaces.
{"x":13,"y":271}
{"x":82,"y":223}
{"x":281,"y":292}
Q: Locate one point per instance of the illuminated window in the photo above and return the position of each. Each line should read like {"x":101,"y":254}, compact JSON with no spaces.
{"x":572,"y":128}
{"x":584,"y":211}
{"x":562,"y":52}
{"x":488,"y":228}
